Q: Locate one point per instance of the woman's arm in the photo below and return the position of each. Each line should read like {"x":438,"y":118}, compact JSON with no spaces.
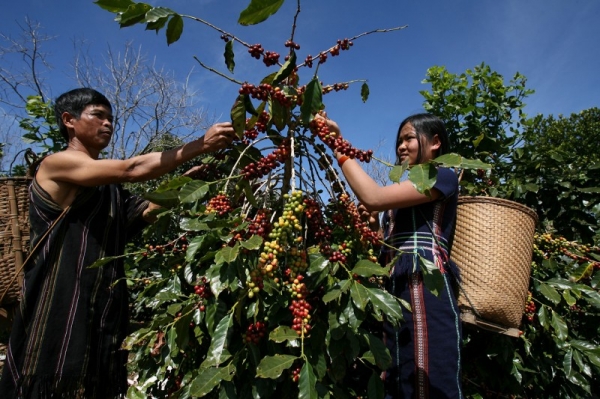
{"x":373,"y":196}
{"x":379,"y":198}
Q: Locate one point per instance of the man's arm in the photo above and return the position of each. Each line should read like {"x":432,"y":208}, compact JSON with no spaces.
{"x":78,"y":168}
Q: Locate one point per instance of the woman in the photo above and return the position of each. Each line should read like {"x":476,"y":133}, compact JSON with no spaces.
{"x":425,"y":348}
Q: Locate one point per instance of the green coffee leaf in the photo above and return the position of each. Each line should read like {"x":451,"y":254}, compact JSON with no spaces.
{"x":307,"y":383}
{"x":366,"y":268}
{"x":193,"y":191}
{"x":313,"y":100}
{"x":273,"y":366}
{"x":229,"y":56}
{"x":174,"y":29}
{"x":219,"y":342}
{"x":258,"y":11}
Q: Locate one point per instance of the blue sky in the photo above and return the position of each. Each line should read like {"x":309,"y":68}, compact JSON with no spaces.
{"x":552,"y":42}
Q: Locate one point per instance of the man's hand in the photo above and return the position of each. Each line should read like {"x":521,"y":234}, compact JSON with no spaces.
{"x":368,"y":216}
{"x":218,"y":136}
{"x":148,"y":215}
{"x":193,"y":171}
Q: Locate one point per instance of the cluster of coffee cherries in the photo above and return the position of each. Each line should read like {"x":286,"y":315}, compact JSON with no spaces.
{"x":260,"y":225}
{"x":547,"y":246}
{"x":254,"y":283}
{"x":308,"y":61}
{"x":174,"y":247}
{"x":264,"y":91}
{"x":268,"y":261}
{"x":291,"y":44}
{"x":260,"y":126}
{"x":202,"y":289}
{"x":256,"y":50}
{"x":530,"y":308}
{"x":342,"y":44}
{"x":367,"y":236}
{"x":260,"y":92}
{"x":288,"y":225}
{"x":319,"y":128}
{"x":175,"y":379}
{"x":266,"y":164}
{"x":295,"y":373}
{"x":340,"y":252}
{"x":286,"y":100}
{"x":219,"y":204}
{"x":300,"y":307}
{"x":255,"y":332}
{"x":295,"y":264}
{"x":269,"y":57}
{"x":343,"y":213}
{"x":315,"y":222}
{"x":335,"y":87}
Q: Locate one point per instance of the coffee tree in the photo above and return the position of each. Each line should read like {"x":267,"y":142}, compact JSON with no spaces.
{"x":259,"y":278}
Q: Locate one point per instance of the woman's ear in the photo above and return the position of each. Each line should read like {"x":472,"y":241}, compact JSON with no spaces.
{"x":436,"y":143}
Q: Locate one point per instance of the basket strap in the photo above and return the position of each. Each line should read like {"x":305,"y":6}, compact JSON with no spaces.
{"x":64,"y":212}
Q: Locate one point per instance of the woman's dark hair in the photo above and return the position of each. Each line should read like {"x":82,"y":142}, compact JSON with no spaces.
{"x":74,"y":102}
{"x":426,"y":126}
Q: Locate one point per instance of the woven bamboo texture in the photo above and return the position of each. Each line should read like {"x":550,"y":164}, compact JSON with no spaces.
{"x":14,"y":235}
{"x":493,"y":247}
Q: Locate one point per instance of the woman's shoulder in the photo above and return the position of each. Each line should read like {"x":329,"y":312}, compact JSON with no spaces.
{"x":447,"y":182}
{"x":447,"y":173}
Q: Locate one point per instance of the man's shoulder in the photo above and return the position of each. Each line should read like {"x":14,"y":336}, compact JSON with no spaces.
{"x":66,"y":155}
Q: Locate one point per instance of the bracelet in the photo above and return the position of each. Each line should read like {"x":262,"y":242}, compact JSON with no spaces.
{"x":343,"y":159}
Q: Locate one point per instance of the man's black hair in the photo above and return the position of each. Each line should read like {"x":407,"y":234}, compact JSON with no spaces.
{"x":74,"y":102}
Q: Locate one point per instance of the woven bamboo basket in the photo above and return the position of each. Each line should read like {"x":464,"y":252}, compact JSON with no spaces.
{"x":493,"y":246}
{"x":14,"y":235}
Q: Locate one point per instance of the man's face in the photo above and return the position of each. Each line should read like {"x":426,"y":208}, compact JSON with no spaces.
{"x":94,"y":127}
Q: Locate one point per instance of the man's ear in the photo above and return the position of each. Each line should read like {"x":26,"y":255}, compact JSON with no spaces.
{"x":67,"y":119}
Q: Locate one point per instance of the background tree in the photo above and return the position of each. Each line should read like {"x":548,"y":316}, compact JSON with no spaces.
{"x":559,"y":158}
{"x":484,"y":116}
{"x":151,"y":107}
{"x":22,"y":74}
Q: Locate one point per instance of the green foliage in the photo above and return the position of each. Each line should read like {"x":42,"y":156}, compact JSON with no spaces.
{"x":220,"y":289}
{"x":560,"y":164}
{"x":258,"y":11}
{"x":558,"y":354}
{"x":249,"y":286}
{"x":207,"y":289}
{"x":483,"y":116}
{"x":40,"y":126}
{"x":130,"y":13}
{"x":551,"y":166}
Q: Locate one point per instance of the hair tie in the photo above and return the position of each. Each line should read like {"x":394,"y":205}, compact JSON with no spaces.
{"x":343,"y":159}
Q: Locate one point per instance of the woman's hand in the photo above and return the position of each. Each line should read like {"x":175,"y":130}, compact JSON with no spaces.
{"x":331,"y":124}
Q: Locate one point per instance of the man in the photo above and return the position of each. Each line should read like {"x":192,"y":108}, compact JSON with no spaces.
{"x":66,"y":339}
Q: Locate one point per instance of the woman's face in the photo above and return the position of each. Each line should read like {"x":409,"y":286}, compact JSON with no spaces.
{"x":409,"y":143}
